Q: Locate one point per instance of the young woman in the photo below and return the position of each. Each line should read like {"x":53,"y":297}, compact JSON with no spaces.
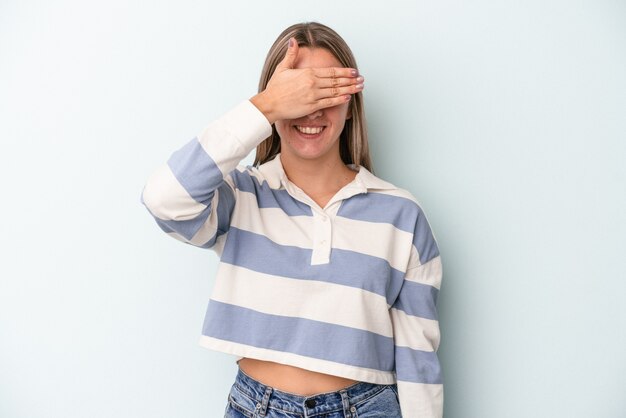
{"x":328,"y":277}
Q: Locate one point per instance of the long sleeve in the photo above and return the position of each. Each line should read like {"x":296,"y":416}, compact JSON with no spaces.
{"x":192,"y":195}
{"x":416,"y":329}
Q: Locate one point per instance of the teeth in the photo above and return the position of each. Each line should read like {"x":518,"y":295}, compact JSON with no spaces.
{"x":310,"y":130}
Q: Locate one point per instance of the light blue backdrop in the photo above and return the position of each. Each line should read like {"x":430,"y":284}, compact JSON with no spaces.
{"x":506,"y":119}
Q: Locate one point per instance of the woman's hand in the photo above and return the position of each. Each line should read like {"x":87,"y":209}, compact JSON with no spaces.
{"x":293,"y":93}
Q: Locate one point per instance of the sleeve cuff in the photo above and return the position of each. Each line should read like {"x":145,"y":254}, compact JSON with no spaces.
{"x":248,"y":124}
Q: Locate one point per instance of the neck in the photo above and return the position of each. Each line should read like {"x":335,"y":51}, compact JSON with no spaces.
{"x":319,"y":178}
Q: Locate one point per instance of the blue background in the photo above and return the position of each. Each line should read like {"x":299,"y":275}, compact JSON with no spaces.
{"x":505,"y":119}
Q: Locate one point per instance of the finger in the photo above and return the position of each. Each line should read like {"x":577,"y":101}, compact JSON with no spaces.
{"x":339,"y":91}
{"x":339,"y":81}
{"x":335,"y":72}
{"x":331,"y":101}
{"x":290,"y":55}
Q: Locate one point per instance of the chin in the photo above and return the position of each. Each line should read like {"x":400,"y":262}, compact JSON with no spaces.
{"x":310,"y":154}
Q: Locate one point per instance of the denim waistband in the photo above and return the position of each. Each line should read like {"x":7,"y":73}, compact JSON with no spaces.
{"x":311,"y":405}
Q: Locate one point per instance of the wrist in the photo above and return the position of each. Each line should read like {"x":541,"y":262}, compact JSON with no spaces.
{"x":261,"y":102}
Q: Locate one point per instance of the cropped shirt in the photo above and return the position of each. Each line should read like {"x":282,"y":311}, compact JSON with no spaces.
{"x":349,"y":289}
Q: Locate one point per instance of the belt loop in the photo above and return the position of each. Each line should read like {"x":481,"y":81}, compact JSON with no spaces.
{"x":266,"y":400}
{"x":346,"y":403}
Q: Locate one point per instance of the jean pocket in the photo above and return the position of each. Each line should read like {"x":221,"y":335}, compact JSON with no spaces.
{"x":383,"y":403}
{"x":394,"y":388}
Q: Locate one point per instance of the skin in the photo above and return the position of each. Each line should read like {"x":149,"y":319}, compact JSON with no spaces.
{"x":309,"y":87}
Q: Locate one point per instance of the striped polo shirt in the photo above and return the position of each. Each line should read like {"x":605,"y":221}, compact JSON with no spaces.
{"x":349,"y":289}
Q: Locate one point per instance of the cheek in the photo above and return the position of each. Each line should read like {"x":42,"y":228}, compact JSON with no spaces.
{"x":339,"y":113}
{"x":281,"y":127}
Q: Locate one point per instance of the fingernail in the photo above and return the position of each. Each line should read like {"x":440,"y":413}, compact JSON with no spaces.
{"x":360,"y":79}
{"x":359,"y":86}
{"x":290,"y":43}
{"x":355,"y":73}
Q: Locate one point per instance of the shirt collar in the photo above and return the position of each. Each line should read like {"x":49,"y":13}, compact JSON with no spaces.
{"x":275,"y":176}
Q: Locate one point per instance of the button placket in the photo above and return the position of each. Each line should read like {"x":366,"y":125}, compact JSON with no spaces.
{"x":322,"y":238}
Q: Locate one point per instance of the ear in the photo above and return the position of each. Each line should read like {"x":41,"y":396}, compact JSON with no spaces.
{"x":349,"y":113}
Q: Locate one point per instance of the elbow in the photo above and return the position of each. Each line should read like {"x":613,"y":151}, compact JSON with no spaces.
{"x":171,"y":206}
{"x":167,"y":199}
{"x":155,"y":202}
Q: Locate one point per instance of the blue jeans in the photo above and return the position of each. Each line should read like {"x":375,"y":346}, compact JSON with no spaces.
{"x":249,"y":398}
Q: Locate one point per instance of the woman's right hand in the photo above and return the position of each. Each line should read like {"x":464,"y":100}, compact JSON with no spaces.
{"x":293,"y":93}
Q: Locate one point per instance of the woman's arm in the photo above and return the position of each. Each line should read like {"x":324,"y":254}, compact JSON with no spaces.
{"x":416,"y":329}
{"x":192,"y":196}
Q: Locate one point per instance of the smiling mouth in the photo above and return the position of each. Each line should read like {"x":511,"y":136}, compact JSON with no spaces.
{"x":310,"y":130}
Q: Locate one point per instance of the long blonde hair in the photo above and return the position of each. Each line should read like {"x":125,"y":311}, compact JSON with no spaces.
{"x":353,"y":146}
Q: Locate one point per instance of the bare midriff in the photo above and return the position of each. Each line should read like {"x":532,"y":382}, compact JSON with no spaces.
{"x":292,"y":379}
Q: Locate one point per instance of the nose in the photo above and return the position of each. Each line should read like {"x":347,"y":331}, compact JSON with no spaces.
{"x":314,"y":115}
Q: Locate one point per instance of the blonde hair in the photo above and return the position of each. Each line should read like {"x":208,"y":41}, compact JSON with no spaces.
{"x":353,"y":146}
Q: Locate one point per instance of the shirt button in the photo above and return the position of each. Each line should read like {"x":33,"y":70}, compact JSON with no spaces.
{"x":310,"y":403}
{"x":323,"y":242}
{"x":324,"y":218}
